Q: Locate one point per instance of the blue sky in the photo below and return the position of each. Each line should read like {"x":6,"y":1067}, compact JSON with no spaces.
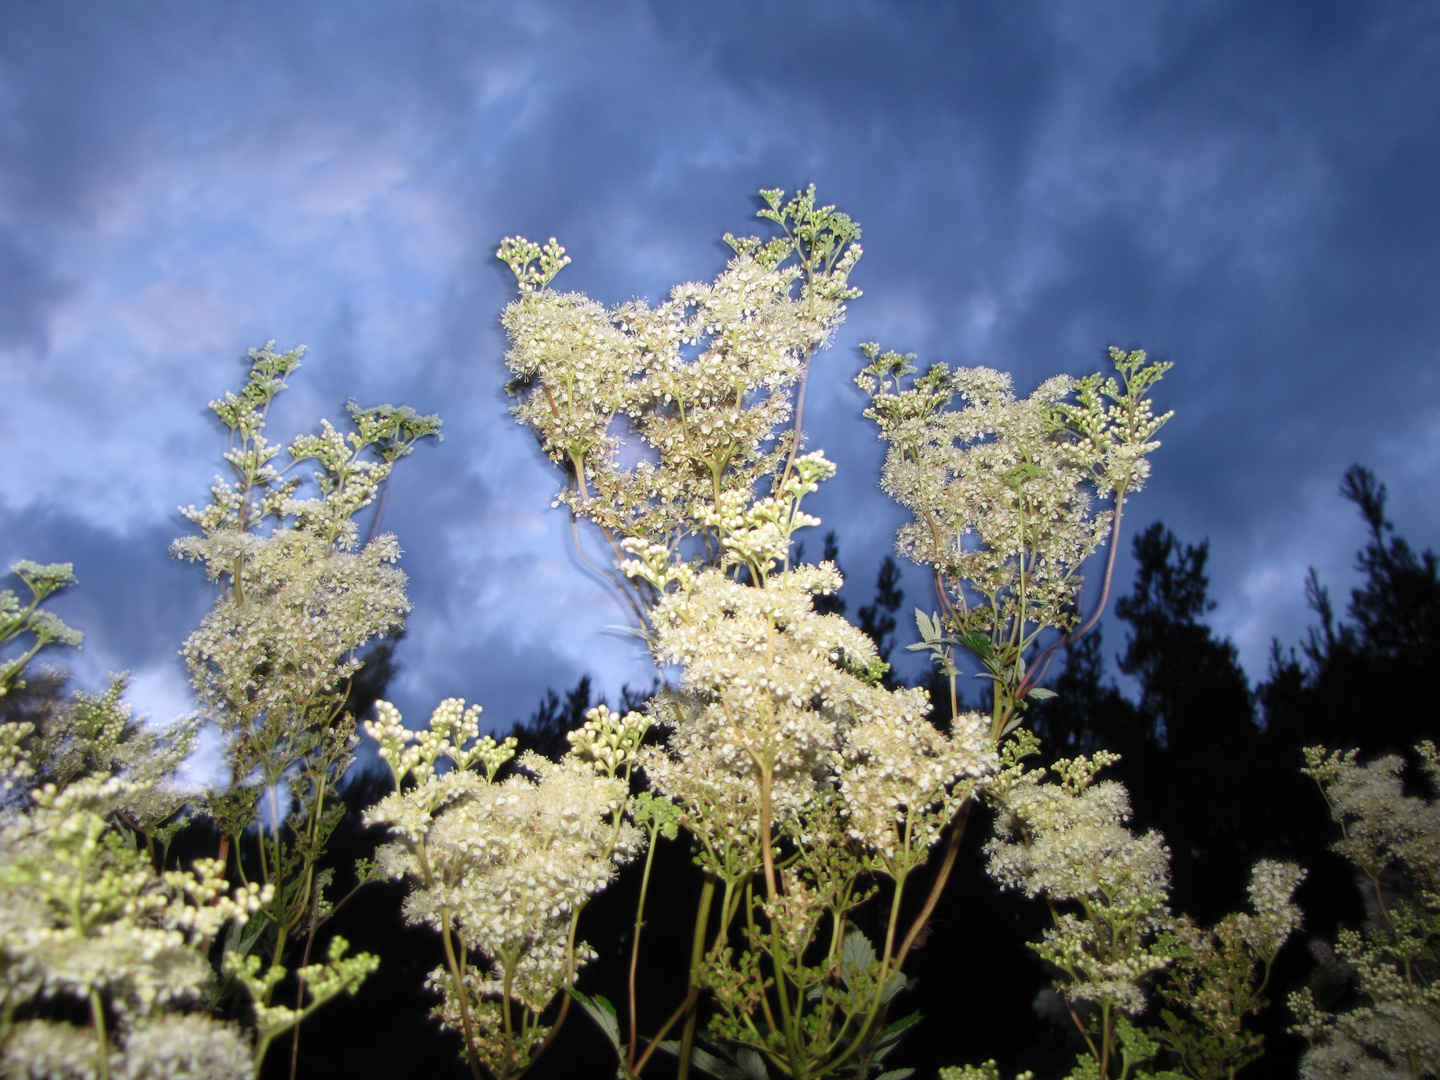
{"x":1250,"y":190}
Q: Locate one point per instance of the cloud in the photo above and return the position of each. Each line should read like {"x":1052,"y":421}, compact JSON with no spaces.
{"x":1243,"y":191}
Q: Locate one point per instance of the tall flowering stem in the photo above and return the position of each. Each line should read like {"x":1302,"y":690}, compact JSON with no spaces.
{"x":799,"y":778}
{"x":1393,"y":841}
{"x":272,"y":661}
{"x":1112,"y":936}
{"x":87,"y":912}
{"x":1002,"y":493}
{"x":503,"y":869}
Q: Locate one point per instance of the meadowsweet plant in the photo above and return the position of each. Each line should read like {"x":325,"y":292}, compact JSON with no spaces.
{"x":1113,"y":939}
{"x":271,"y":662}
{"x":799,"y":779}
{"x":1003,"y":491}
{"x":503,"y":869}
{"x":86,"y":917}
{"x":41,"y":626}
{"x":665,"y":419}
{"x":1218,"y":976}
{"x":1107,"y":890}
{"x":1390,"y":1027}
{"x":31,"y":627}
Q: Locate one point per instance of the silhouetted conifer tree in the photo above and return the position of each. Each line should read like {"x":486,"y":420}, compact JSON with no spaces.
{"x":877,"y":620}
{"x":1088,"y":712}
{"x":1364,"y":682}
{"x":1192,"y":763}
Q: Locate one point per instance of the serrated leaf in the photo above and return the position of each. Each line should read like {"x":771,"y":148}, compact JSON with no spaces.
{"x":705,"y":1061}
{"x":238,"y":940}
{"x":979,"y":644}
{"x":603,"y":1013}
{"x":752,"y":1065}
{"x":928,"y":630}
{"x":893,"y":986}
{"x":1012,"y":725}
{"x":1039,"y":693}
{"x":892,"y":1032}
{"x":856,"y":955}
{"x":896,"y":1074}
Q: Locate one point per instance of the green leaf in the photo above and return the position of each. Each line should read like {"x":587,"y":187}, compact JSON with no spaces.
{"x":241,"y":940}
{"x":857,"y":955}
{"x":1039,"y":693}
{"x":979,"y":644}
{"x":603,"y":1013}
{"x":892,"y":1032}
{"x":705,"y":1061}
{"x":897,"y":1074}
{"x":752,"y":1065}
{"x":893,"y":986}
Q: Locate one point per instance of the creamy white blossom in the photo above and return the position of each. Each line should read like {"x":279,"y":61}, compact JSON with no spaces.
{"x":503,"y":866}
{"x":1394,"y":1030}
{"x":1068,"y":841}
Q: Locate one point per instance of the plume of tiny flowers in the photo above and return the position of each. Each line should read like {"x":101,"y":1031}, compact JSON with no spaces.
{"x":272,"y":661}
{"x":1218,"y":975}
{"x":86,"y":916}
{"x":665,"y":418}
{"x":902,"y":780}
{"x":1002,"y":490}
{"x":504,"y":866}
{"x":1395,"y":1028}
{"x":1068,"y":841}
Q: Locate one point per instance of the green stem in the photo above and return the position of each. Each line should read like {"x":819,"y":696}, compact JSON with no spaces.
{"x":692,"y":989}
{"x":471,"y":1055}
{"x":102,"y":1041}
{"x":635,"y":942}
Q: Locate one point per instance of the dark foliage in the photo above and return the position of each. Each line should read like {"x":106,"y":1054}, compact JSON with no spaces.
{"x":877,"y":620}
{"x":1223,"y":789}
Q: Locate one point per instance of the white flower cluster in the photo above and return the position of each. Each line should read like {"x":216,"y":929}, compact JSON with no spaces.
{"x":1068,"y":841}
{"x":284,"y":640}
{"x":1001,"y":487}
{"x":504,"y":866}
{"x":700,"y":383}
{"x":902,"y":780}
{"x":85,"y":914}
{"x":772,"y":686}
{"x":1272,"y":896}
{"x":607,"y":740}
{"x":171,"y":1046}
{"x":1395,"y":1029}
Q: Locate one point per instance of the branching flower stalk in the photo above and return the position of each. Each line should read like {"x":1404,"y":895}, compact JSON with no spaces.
{"x":701,"y":387}
{"x":503,"y":869}
{"x":272,"y":661}
{"x":1393,"y":840}
{"x":1112,"y":934}
{"x":798,"y":777}
{"x":1002,"y":492}
{"x":17,"y":621}
{"x":87,"y":913}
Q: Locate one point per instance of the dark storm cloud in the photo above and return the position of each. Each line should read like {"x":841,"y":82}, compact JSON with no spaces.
{"x":1246,"y":190}
{"x":130,"y":600}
